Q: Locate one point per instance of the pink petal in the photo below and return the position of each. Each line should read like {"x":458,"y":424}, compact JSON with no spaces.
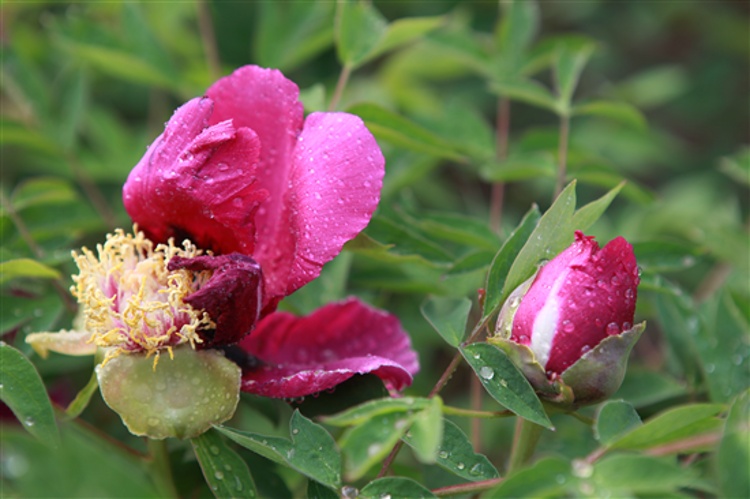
{"x":305,"y":355}
{"x":198,"y":182}
{"x":597,"y":300}
{"x":334,"y":188}
{"x":231,"y":296}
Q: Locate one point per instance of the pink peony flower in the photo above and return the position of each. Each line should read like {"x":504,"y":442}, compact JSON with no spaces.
{"x":563,"y":315}
{"x":242,"y":171}
{"x":305,"y":355}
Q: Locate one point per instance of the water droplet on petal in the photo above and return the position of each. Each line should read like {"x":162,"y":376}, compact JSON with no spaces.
{"x":568,"y":326}
{"x":613,"y":329}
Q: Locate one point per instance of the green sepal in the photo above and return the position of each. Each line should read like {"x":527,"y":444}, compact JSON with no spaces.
{"x":600,"y":371}
{"x":179,"y":397}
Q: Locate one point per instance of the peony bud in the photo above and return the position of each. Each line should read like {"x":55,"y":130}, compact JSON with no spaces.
{"x":570,"y":327}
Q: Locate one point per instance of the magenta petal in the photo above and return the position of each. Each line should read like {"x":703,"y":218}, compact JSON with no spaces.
{"x":305,"y":355}
{"x":231,"y":296}
{"x":598,"y":300}
{"x":198,"y":182}
{"x":334,"y":187}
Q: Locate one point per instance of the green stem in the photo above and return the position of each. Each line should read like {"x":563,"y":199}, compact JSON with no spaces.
{"x":467,"y":488}
{"x":160,"y":470}
{"x":562,"y":154}
{"x":525,"y":439}
{"x":346,"y":71}
{"x":469,"y":413}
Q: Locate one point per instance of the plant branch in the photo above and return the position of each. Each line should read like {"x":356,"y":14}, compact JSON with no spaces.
{"x":467,"y":488}
{"x":525,"y":438}
{"x":562,"y":154}
{"x":469,"y":413}
{"x":160,"y":470}
{"x":346,"y":71}
{"x":208,"y":38}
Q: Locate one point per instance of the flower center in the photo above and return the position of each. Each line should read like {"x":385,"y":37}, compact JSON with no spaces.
{"x":132,"y":302}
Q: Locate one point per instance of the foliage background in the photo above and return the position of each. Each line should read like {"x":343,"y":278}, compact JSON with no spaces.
{"x":86,"y":86}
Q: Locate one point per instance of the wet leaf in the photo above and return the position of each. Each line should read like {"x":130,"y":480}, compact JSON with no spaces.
{"x":448,"y":317}
{"x":224,"y":470}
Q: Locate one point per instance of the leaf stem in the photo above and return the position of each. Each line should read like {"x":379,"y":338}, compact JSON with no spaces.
{"x":160,"y":470}
{"x":469,"y":413}
{"x":208,"y":37}
{"x":562,"y":154}
{"x":525,"y":438}
{"x":346,"y":71}
{"x":467,"y":488}
{"x":501,"y":152}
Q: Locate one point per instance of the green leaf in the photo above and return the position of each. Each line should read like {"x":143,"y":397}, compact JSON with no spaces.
{"x":361,"y":413}
{"x":671,"y":425}
{"x":77,"y":406}
{"x":505,"y":383}
{"x":224,"y":470}
{"x":317,"y":491}
{"x":723,"y":346}
{"x":26,"y":267}
{"x":457,"y":228}
{"x":526,"y":91}
{"x":288,"y":34}
{"x":472,"y":262}
{"x":40,"y":191}
{"x":518,"y":26}
{"x":400,"y":131}
{"x":627,"y":474}
{"x":551,"y":235}
{"x":403,"y":31}
{"x":733,"y":457}
{"x":520,"y":166}
{"x":311,"y":451}
{"x":448,"y":317}
{"x":23,"y":391}
{"x":395,"y":488}
{"x":617,"y":111}
{"x":359,"y":27}
{"x":586,"y":215}
{"x":427,"y":431}
{"x":545,"y":478}
{"x":572,"y":55}
{"x":368,"y":443}
{"x":661,"y":387}
{"x":406,"y":240}
{"x":613,"y":419}
{"x":495,"y":288}
{"x":665,"y":256}
{"x":457,"y":455}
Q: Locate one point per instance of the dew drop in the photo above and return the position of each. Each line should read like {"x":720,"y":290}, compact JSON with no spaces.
{"x":237,"y":483}
{"x":486,"y":372}
{"x":582,"y":469}
{"x":214,"y":450}
{"x":29,"y":421}
{"x":2,"y":386}
{"x":560,"y":479}
{"x":443,"y":454}
{"x":476,"y":356}
{"x":349,"y":492}
{"x":613,"y":329}
{"x":460,"y":466}
{"x":153,"y":421}
{"x":710,"y":368}
{"x":373,"y":449}
{"x":476,"y":469}
{"x":218,"y":475}
{"x":295,"y":431}
{"x":736,"y":360}
{"x":584,"y":349}
{"x":568,"y":326}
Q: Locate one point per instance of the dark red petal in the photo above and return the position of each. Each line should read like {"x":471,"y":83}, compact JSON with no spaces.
{"x":231,"y":297}
{"x":597,"y":299}
{"x":198,"y":183}
{"x":304,"y":355}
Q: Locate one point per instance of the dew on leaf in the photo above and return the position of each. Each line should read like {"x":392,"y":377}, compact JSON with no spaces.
{"x":486,"y":372}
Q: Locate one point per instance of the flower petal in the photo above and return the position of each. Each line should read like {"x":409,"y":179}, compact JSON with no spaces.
{"x":198,"y":182}
{"x":598,"y":300}
{"x":305,"y":355}
{"x":231,"y":297}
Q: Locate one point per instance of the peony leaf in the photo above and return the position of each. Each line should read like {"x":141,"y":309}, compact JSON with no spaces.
{"x":545,"y":478}
{"x":496,"y":289}
{"x":396,"y":488}
{"x":505,"y":383}
{"x":26,"y":267}
{"x":733,"y":458}
{"x":613,"y":419}
{"x":23,"y":391}
{"x":359,"y":28}
{"x":626,"y":475}
{"x":427,"y":431}
{"x":311,"y":450}
{"x":448,"y":317}
{"x":457,"y":455}
{"x":363,"y":412}
{"x":671,"y":425}
{"x":224,"y":470}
